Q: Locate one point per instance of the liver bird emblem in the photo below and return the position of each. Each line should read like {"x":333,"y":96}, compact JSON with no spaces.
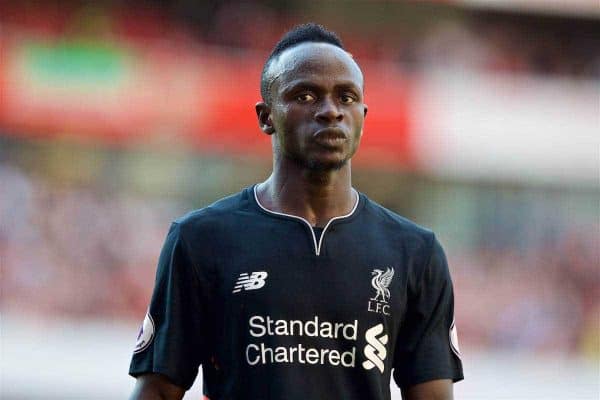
{"x":381,"y":280}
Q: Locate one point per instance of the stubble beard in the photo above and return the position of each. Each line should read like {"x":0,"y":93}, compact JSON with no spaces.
{"x":319,"y":166}
{"x":315,"y":165}
{"x":308,"y":163}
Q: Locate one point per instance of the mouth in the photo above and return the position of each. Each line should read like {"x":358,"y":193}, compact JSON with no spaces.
{"x":330,"y":137}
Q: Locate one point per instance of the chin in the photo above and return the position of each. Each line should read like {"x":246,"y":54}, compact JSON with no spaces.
{"x":323,"y":166}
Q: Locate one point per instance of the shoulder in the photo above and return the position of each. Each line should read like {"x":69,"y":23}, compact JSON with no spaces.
{"x":397,"y":226}
{"x":214,"y":215}
{"x":428,"y":264}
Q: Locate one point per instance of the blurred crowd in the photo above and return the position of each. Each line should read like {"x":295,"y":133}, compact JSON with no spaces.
{"x":543,"y":299}
{"x":87,"y":253}
{"x":77,"y":252}
{"x":487,"y":42}
{"x":507,"y":46}
{"x":415,"y":35}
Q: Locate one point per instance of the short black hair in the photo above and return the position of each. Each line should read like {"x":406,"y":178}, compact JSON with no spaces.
{"x":310,"y":32}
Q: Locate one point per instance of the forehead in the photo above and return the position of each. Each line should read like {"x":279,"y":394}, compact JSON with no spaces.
{"x":318,"y":62}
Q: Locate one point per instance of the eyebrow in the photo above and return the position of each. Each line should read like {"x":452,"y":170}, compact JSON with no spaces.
{"x":298,"y":84}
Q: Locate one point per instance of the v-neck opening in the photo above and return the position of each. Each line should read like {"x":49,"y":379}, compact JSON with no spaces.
{"x":317,"y":242}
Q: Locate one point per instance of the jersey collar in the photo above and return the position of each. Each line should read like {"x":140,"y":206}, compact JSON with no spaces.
{"x":317,"y":244}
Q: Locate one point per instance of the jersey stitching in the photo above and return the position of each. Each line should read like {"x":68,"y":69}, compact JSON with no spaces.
{"x":312,"y":231}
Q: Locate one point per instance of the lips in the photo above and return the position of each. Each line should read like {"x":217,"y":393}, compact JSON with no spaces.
{"x":330,"y":133}
{"x":330,"y":137}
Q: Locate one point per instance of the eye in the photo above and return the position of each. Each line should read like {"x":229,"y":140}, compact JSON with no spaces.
{"x":305,"y":98}
{"x":347,"y":98}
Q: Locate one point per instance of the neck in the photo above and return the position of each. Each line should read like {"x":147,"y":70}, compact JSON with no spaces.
{"x":316,"y":196}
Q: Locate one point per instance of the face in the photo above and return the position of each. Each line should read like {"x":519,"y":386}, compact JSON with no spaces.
{"x":317,"y":112}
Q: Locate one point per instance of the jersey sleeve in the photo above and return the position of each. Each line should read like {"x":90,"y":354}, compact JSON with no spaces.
{"x":427,"y":345}
{"x":172,"y":340}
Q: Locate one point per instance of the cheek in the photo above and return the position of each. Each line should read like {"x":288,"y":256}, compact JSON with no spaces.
{"x":295,"y":120}
{"x":358,"y":120}
{"x":282,"y":116}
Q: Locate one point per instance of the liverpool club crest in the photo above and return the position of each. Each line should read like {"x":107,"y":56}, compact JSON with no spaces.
{"x":381,"y":281}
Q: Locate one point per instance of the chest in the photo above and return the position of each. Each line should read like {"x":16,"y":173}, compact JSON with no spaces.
{"x":284,"y":278}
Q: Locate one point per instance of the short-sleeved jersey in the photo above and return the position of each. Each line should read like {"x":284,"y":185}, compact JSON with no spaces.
{"x":272,"y":310}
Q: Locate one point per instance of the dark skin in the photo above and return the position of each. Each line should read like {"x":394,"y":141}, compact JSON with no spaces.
{"x":315,"y":119}
{"x":156,"y":387}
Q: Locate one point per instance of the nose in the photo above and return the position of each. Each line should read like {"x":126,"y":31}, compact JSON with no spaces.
{"x":329,"y":111}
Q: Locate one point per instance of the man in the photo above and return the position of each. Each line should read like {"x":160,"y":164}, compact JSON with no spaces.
{"x":301,"y":288}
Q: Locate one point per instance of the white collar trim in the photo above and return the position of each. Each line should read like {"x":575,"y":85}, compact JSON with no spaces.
{"x":312,"y":231}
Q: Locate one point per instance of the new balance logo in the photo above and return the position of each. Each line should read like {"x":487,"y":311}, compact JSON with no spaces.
{"x":375,"y":351}
{"x":250,"y":282}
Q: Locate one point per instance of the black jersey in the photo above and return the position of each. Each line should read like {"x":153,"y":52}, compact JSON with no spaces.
{"x":272,"y":310}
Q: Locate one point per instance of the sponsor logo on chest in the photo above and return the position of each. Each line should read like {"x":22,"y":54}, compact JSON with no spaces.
{"x":253,"y":281}
{"x":375,"y":351}
{"x":381,"y":281}
{"x":317,"y":340}
{"x":262,"y":351}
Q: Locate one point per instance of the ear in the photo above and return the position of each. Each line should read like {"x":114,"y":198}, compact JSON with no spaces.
{"x":366,"y":109}
{"x":263,"y":112}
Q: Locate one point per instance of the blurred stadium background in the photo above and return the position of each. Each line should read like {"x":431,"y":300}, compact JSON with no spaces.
{"x":118,"y":116}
